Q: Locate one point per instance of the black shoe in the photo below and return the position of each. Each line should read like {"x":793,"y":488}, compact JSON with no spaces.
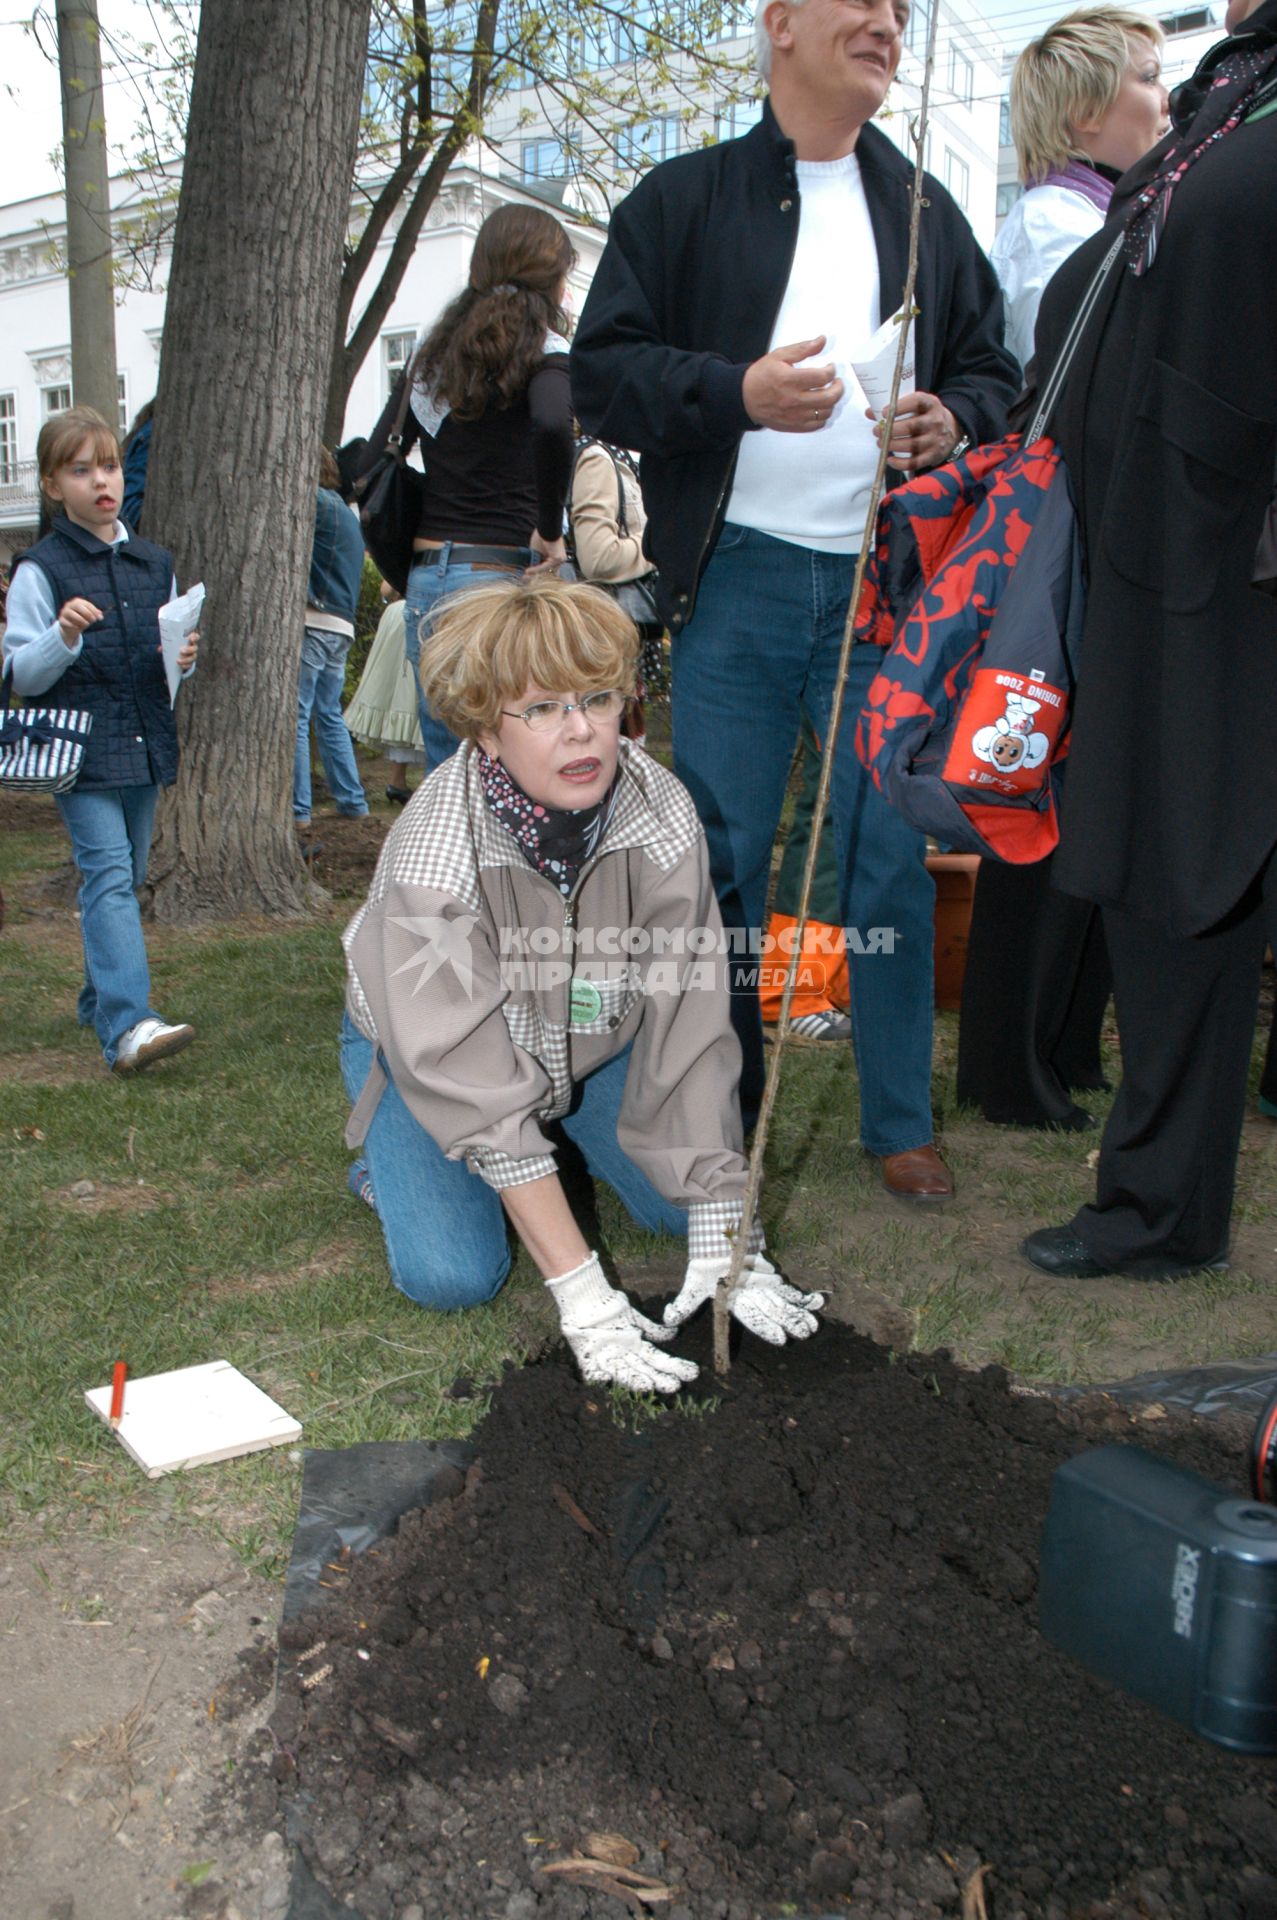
{"x":400,"y":796}
{"x":1060,"y":1252}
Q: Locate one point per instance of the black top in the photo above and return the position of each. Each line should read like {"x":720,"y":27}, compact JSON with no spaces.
{"x":491,"y":481}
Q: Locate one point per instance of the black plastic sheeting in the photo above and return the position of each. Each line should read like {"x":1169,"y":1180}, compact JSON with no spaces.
{"x":353,"y":1496}
{"x":1232,"y":1386}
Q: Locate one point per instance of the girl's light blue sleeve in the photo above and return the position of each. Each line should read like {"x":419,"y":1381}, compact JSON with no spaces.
{"x":33,"y":639}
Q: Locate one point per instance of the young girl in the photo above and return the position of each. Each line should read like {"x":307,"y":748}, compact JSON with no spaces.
{"x":83,"y":617}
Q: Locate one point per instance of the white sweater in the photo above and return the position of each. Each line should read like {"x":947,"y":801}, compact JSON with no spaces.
{"x":813,"y":488}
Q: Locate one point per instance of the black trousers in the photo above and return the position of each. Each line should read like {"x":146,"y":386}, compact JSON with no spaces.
{"x":1034,"y":992}
{"x":1186,"y":1018}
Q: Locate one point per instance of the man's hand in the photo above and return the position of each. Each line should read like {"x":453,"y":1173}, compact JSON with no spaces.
{"x":75,"y":616}
{"x":923,"y":434}
{"x":611,"y":1341}
{"x":763,"y":1303}
{"x":780,"y":394}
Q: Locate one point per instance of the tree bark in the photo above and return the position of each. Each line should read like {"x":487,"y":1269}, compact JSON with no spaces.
{"x":244,"y":368}
{"x":90,"y":287}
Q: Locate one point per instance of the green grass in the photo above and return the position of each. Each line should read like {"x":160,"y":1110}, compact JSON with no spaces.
{"x":220,"y":1226}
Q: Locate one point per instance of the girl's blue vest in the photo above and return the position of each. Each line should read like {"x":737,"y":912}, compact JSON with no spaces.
{"x":119,"y":675}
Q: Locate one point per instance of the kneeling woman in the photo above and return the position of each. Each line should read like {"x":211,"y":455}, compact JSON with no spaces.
{"x":526,"y":967}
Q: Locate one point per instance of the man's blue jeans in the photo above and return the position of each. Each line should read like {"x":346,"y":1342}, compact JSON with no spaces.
{"x":762,"y":644}
{"x":110,"y":829}
{"x":320,"y":683}
{"x":445,"y":1228}
{"x":434,"y":578}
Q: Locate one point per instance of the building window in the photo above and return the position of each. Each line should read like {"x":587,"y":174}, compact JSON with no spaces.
{"x":961,"y":77}
{"x":1004,"y":123}
{"x":54,"y":400}
{"x":737,"y":118}
{"x":396,"y":352}
{"x":648,"y":142}
{"x":957,"y":176}
{"x":1008,"y":194}
{"x":122,"y":389}
{"x":918,"y":26}
{"x":8,"y":438}
{"x":543,"y":160}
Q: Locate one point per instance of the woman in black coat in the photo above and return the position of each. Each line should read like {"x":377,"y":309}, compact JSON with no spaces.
{"x":1169,"y":426}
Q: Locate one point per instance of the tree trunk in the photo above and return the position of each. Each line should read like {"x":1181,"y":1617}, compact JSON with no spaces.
{"x":231,"y":489}
{"x":88,"y":202}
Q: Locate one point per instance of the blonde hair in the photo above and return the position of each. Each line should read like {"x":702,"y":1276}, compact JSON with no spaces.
{"x":490,"y":643}
{"x":1069,"y":76}
{"x":63,"y":434}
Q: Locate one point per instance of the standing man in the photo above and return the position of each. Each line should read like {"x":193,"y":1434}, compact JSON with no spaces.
{"x":737,"y":283}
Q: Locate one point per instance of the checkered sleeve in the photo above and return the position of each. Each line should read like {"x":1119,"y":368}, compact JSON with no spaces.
{"x":711,"y":1226}
{"x":500,"y":1170}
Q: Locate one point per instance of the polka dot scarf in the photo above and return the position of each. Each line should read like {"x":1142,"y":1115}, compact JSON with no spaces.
{"x":557,"y":841}
{"x":1225,"y":88}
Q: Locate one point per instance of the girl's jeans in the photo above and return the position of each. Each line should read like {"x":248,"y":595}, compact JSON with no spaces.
{"x":110,"y":829}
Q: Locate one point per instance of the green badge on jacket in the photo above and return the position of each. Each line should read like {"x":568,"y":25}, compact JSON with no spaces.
{"x":586,"y":1003}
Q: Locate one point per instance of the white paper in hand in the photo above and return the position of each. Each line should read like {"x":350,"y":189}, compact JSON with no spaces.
{"x":874,"y":365}
{"x":178,"y":621}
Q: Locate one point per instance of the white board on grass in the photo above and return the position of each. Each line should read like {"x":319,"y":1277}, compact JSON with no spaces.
{"x":193,"y":1416}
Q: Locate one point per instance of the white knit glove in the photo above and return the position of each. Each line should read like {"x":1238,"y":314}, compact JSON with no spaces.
{"x":610,"y":1339}
{"x":762,"y":1301}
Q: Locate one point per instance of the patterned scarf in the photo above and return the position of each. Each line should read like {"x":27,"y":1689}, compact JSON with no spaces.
{"x":556,"y":840}
{"x":1226,"y":85}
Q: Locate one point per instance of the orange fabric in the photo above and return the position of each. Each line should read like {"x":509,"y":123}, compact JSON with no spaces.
{"x":822,"y":972}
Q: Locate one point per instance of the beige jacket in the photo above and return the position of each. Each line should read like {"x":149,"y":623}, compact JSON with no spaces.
{"x":602,"y":552}
{"x":488,"y":995}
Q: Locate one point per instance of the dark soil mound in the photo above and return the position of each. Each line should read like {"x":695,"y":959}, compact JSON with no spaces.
{"x":786,"y":1645}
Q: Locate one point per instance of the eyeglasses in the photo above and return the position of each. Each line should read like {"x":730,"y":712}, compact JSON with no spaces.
{"x":546,"y":714}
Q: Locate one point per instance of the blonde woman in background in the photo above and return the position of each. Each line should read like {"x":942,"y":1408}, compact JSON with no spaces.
{"x":1087,"y":102}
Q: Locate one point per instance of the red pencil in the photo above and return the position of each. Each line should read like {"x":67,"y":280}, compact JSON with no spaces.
{"x":117,"y":1391}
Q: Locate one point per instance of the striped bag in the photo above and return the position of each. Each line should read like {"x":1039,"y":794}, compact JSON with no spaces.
{"x":40,"y":747}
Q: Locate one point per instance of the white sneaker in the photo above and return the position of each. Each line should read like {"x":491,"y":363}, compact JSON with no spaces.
{"x":148,"y":1041}
{"x":817,"y":1029}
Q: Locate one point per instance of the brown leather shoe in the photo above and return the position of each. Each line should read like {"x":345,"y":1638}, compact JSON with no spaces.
{"x":917,"y":1175}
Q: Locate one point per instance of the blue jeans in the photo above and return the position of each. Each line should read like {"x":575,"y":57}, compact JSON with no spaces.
{"x":445,"y":1228}
{"x":434,"y":578}
{"x":110,"y":829}
{"x":762,"y":644}
{"x":320,"y":683}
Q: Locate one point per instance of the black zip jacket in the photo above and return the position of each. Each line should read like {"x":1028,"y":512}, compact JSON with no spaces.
{"x":685,"y":298}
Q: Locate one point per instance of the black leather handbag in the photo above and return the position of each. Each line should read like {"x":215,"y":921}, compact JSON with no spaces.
{"x":390,"y":500}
